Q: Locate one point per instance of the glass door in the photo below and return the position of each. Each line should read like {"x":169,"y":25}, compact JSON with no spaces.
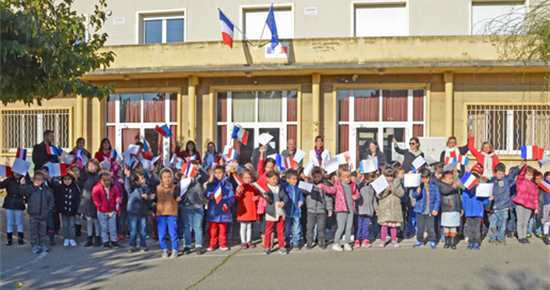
{"x":131,"y":134}
{"x":383,"y":134}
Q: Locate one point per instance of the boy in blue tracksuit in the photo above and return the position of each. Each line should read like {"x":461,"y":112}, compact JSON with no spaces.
{"x":426,"y":208}
{"x":473,"y":208}
{"x":292,"y":208}
{"x":502,"y":203}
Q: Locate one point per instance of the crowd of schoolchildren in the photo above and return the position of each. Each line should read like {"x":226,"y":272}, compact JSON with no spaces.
{"x":118,"y":201}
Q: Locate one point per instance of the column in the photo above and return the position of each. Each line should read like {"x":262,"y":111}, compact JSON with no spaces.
{"x":316,"y":105}
{"x":192,"y":123}
{"x":448,"y":78}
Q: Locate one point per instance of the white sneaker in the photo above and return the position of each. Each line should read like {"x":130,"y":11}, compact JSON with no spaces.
{"x":73,"y":243}
{"x":347,"y":248}
{"x":337,"y":248}
{"x":66,"y":243}
{"x":396,"y":244}
{"x":352,"y":238}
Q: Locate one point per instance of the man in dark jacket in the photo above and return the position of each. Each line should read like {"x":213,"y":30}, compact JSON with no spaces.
{"x":40,"y":154}
{"x":256,"y":154}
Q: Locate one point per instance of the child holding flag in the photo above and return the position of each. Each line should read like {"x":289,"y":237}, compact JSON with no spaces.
{"x":389,"y":208}
{"x":139,"y":197}
{"x":526,"y":200}
{"x":220,"y":198}
{"x":275,"y":214}
{"x":473,"y":207}
{"x":426,"y":208}
{"x":501,"y":203}
{"x":167,"y":211}
{"x":67,"y":199}
{"x":248,"y":197}
{"x":87,"y":206}
{"x":293,"y":209}
{"x":106,"y":197}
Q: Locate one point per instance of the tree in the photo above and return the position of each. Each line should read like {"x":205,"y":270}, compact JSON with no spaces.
{"x":45,"y":50}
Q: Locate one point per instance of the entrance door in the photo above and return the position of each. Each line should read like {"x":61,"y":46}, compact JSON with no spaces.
{"x":245,"y":152}
{"x":131,"y":134}
{"x":361,"y":135}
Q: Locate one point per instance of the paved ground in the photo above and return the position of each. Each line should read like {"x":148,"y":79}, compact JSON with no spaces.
{"x":493,"y":267}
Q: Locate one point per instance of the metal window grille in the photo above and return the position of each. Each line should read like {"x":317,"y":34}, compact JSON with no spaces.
{"x":508,"y":127}
{"x":25,"y":128}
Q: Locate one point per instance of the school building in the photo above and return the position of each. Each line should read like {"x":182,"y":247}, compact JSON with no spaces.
{"x":346,"y":70}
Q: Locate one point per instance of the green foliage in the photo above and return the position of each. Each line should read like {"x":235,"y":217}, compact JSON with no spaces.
{"x":44,"y":50}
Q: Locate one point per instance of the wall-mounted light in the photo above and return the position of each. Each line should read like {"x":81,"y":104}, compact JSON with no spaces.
{"x":248,"y":74}
{"x":126,"y":77}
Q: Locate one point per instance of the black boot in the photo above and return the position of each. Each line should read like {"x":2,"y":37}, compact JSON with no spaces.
{"x":447,"y":242}
{"x":78,"y":231}
{"x":10,"y":239}
{"x":21,"y":238}
{"x":454,"y":241}
{"x":89,"y":242}
{"x":546,"y":240}
{"x":97,"y":242}
{"x":52,"y":239}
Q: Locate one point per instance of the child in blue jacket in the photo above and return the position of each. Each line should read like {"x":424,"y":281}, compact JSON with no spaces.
{"x":293,"y":209}
{"x":218,"y":214}
{"x":501,"y":203}
{"x":473,"y":207}
{"x":426,"y":208}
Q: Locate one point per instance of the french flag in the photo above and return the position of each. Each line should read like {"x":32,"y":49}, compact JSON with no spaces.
{"x":449,"y":160}
{"x":113,"y":155}
{"x":468,"y":180}
{"x":261,"y":186}
{"x":463,"y":160}
{"x":146,"y":146}
{"x":238,"y":180}
{"x":289,"y":162}
{"x":213,"y":165}
{"x":240,"y":134}
{"x":51,"y":150}
{"x":163,"y":130}
{"x":56,"y":169}
{"x":227,"y":30}
{"x":5,"y":171}
{"x":218,"y":193}
{"x":545,"y":185}
{"x":194,"y":157}
{"x":230,"y":153}
{"x":190,"y":170}
{"x":530,"y":152}
{"x":21,"y":154}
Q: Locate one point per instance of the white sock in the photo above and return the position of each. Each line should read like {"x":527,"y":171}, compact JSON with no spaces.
{"x":248,"y":232}
{"x":243,"y":232}
{"x":546,"y":228}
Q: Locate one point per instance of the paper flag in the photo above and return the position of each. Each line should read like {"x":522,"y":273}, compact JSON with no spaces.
{"x":366,"y":166}
{"x":543,"y":160}
{"x":343,"y":158}
{"x":163,"y":130}
{"x":184,"y":185}
{"x":469,"y":180}
{"x":484,"y":189}
{"x":545,"y":185}
{"x":20,"y":166}
{"x":56,"y":169}
{"x":5,"y":171}
{"x":418,"y":162}
{"x":265,"y":138}
{"x":305,"y":186}
{"x":412,"y":180}
{"x":299,"y":155}
{"x":331,"y":166}
{"x":380,"y":184}
{"x":430,"y":160}
{"x":375,"y":161}
{"x":451,"y":166}
{"x":240,"y":134}
{"x":309,"y":167}
{"x":530,"y":152}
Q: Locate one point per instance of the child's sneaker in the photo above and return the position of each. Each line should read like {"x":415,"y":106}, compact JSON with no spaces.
{"x":309,"y":246}
{"x":494,"y":242}
{"x":224,"y":248}
{"x":35,"y":249}
{"x":210,"y":249}
{"x":243,"y":246}
{"x":357,"y":244}
{"x":72,"y":243}
{"x":433,"y":245}
{"x":131,"y":249}
{"x":143,"y":250}
{"x":250,"y":245}
{"x":540,"y":236}
{"x":418,"y":245}
{"x":323,"y":246}
{"x":106,"y":245}
{"x":347,"y":247}
{"x":296,"y":247}
{"x":115,"y":244}
{"x":283,"y":252}
{"x":267,"y":252}
{"x":164,"y":254}
{"x":470,"y":246}
{"x":66,"y":243}
{"x":382,"y":244}
{"x":366,"y":244}
{"x":466,"y":240}
{"x":174,"y":254}
{"x":199,"y":251}
{"x":121,"y":238}
{"x":45,"y":249}
{"x":186,"y":251}
{"x":503,"y":242}
{"x":396,"y":244}
{"x":476,"y":246}
{"x":529,"y":235}
{"x":337,"y":248}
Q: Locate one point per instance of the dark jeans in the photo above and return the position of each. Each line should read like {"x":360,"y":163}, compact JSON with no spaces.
{"x":314,"y":219}
{"x":473,"y":230}
{"x":121,"y":221}
{"x":137,"y":223}
{"x":428,"y":222}
{"x":362,"y":233}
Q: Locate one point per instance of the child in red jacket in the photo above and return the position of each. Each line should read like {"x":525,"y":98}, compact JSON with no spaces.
{"x":248,"y":197}
{"x":106,"y":198}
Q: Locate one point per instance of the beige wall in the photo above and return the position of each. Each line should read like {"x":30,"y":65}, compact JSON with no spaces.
{"x":439,"y":17}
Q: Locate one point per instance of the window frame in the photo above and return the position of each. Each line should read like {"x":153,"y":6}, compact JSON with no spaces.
{"x":142,"y":16}
{"x":244,"y":8}
{"x":526,"y":4}
{"x":363,"y":3}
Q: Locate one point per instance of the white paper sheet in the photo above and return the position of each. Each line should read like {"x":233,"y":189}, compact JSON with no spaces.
{"x":309,"y":167}
{"x":299,"y":155}
{"x":105,"y":164}
{"x":451,"y":166}
{"x":305,"y":186}
{"x":430,"y":160}
{"x":264,"y":138}
{"x":380,"y":184}
{"x":412,"y":180}
{"x":375,"y":161}
{"x":484,"y":190}
{"x":418,"y":162}
{"x":184,"y":185}
{"x":331,"y":165}
{"x":20,"y":166}
{"x":389,"y":131}
{"x":367,"y":166}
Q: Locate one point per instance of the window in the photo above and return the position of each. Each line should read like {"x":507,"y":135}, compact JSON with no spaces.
{"x":163,"y":28}
{"x":25,"y":128}
{"x":365,"y":115}
{"x":274,"y":112}
{"x":495,"y":17}
{"x":381,"y":20}
{"x":254,"y":21}
{"x":131,"y":116}
{"x":507,"y":128}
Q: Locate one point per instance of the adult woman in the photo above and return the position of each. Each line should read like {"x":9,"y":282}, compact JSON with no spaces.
{"x":410,"y":154}
{"x":80,"y":143}
{"x":487,"y":156}
{"x":211,"y":155}
{"x":104,"y":152}
{"x":190,"y":150}
{"x":452,"y":150}
{"x":372,"y":149}
{"x":319,"y":155}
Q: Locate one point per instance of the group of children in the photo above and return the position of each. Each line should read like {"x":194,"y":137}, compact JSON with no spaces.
{"x":182,"y":206}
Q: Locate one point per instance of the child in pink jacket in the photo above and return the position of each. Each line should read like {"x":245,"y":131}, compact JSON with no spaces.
{"x":526,"y":200}
{"x":346,"y":194}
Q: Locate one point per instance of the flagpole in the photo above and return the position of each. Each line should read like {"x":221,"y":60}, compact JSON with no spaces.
{"x":245,"y":37}
{"x":265,"y":24}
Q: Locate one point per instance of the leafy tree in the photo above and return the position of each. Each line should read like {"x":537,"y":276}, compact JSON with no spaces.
{"x":45,"y":50}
